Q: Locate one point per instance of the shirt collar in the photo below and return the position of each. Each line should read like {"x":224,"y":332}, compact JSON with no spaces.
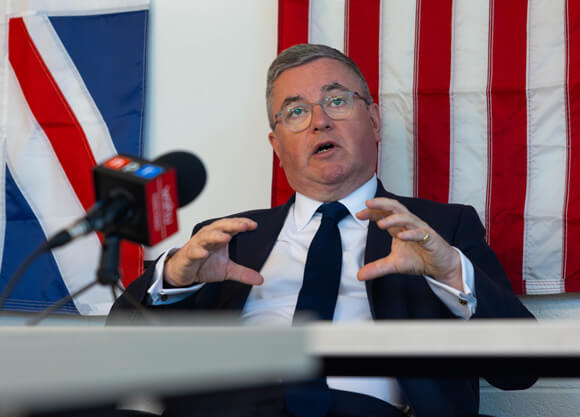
{"x":305,"y":207}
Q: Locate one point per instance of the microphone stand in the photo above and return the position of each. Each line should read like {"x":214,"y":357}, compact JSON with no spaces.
{"x":107,"y":274}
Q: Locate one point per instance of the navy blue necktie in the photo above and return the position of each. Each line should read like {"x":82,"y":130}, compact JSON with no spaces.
{"x":323,"y":265}
{"x":318,"y":295}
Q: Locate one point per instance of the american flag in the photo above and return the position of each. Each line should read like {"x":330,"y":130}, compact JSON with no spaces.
{"x":480,"y":105}
{"x":72,"y":96}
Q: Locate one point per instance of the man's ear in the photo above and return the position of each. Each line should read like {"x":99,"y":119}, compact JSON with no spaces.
{"x":275,"y":144}
{"x":375,"y":116}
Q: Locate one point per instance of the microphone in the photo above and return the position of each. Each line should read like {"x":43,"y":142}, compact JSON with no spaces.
{"x":138,"y":199}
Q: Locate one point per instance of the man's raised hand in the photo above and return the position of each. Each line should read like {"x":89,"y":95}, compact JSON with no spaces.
{"x":204,"y":258}
{"x":416,"y":248}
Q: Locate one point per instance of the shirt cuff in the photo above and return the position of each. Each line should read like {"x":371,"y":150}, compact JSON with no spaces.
{"x":461,"y":303}
{"x":161,"y":296}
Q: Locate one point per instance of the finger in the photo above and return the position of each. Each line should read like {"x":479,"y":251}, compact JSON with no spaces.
{"x":405,"y":221}
{"x":211,"y":239}
{"x":386,"y":204}
{"x":237,"y":272}
{"x":204,"y":242}
{"x":376,"y":269}
{"x":373,"y":214}
{"x":233,"y":225}
{"x":378,"y":208}
{"x":197,"y":252}
{"x":415,"y":235}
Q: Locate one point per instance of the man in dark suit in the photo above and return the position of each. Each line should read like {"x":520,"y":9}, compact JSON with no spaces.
{"x":401,"y":257}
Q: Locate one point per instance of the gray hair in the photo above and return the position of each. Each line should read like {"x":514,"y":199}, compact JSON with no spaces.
{"x":302,"y":54}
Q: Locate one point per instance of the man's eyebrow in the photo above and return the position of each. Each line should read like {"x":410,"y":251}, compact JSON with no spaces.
{"x":292,"y":99}
{"x":334,"y":86}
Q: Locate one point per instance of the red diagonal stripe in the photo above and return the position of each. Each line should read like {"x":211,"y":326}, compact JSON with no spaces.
{"x":432,"y":108}
{"x":52,"y":112}
{"x":508,"y":135}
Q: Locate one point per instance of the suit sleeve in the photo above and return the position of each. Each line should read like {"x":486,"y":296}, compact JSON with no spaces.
{"x":495,"y":296}
{"x":124,"y":311}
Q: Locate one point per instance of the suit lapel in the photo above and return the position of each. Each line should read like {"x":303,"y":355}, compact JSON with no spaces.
{"x":386,"y":294}
{"x":389,"y":299}
{"x":251,"y":249}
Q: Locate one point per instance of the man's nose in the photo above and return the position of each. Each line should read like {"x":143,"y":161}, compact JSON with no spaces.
{"x":320,"y":120}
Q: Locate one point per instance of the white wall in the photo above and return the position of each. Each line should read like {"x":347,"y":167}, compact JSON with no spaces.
{"x":206,"y":80}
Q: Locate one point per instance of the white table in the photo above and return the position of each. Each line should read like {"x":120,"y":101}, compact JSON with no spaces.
{"x":54,"y":366}
{"x":47,"y":367}
{"x":448,"y":347}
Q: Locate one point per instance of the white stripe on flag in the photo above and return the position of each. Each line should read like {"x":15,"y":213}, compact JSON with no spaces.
{"x":53,"y":200}
{"x":468,"y":124}
{"x":396,"y":95}
{"x":326,"y":23}
{"x":71,"y":85}
{"x":542,"y":263}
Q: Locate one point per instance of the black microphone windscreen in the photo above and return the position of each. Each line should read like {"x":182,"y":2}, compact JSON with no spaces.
{"x":190,"y":172}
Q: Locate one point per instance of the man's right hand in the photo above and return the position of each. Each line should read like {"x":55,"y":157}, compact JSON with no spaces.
{"x":204,"y":258}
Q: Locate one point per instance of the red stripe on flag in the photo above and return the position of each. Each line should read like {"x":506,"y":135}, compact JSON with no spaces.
{"x":571,"y":264}
{"x":507,"y":135}
{"x":432,"y":107}
{"x":52,"y":112}
{"x":292,"y":30}
{"x":362,"y":30}
{"x":292,"y":23}
{"x":57,"y":120}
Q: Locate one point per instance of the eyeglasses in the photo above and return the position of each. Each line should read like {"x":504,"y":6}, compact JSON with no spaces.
{"x":298,"y":116}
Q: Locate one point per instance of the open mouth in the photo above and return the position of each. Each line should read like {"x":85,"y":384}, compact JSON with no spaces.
{"x":324,"y":148}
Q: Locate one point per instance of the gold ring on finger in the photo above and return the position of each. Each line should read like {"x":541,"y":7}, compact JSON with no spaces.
{"x":426,"y":237}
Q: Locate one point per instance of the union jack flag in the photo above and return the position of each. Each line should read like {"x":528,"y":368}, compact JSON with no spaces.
{"x":72,"y":95}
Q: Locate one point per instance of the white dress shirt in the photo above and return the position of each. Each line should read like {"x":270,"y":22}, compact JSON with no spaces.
{"x":274,"y":301}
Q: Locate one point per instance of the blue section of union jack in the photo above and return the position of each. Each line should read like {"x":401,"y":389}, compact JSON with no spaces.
{"x":75,"y":94}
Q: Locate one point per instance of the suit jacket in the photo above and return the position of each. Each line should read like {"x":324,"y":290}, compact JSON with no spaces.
{"x":391,"y":297}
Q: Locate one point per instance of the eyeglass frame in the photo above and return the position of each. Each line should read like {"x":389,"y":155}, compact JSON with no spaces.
{"x":353,"y":94}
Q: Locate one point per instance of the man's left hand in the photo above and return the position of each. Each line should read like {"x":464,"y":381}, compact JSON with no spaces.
{"x":416,"y":249}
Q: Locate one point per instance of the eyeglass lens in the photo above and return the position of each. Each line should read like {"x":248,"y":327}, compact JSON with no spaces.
{"x":297,"y":116}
